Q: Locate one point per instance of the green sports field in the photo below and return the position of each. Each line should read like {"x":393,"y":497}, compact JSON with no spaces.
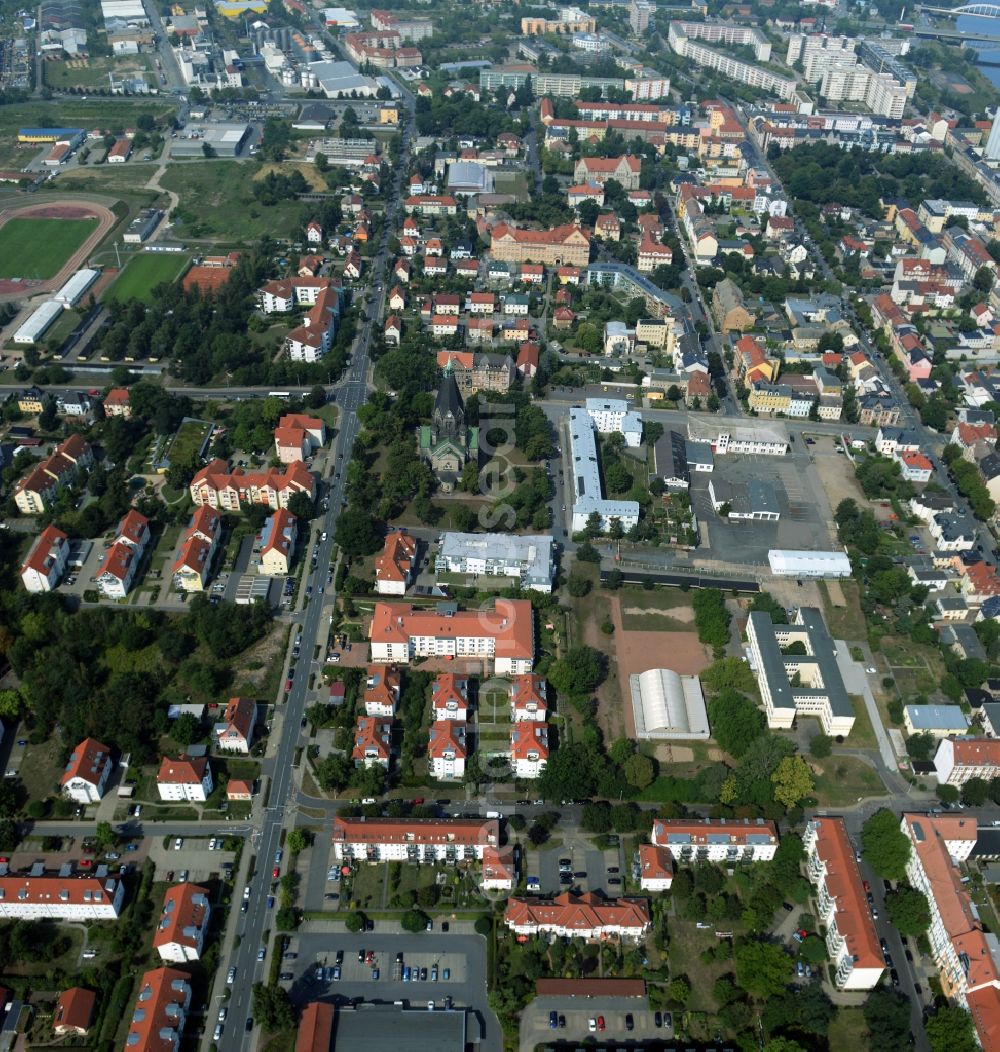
{"x":38,"y":248}
{"x":144,"y":272}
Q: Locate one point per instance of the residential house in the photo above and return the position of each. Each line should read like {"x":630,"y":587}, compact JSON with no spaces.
{"x":186,"y":778}
{"x":499,"y":872}
{"x":35,"y":491}
{"x":87,"y":772}
{"x":447,"y":750}
{"x":297,"y":437}
{"x":529,"y":748}
{"x":585,"y":916}
{"x":218,"y":486}
{"x":652,"y":255}
{"x":74,"y":1012}
{"x":116,"y":403}
{"x":160,"y":1011}
{"x":395,"y":566}
{"x":718,"y":840}
{"x":183,"y":925}
{"x":959,"y":759}
{"x":234,"y":732}
{"x":729,"y":308}
{"x":914,"y":467}
{"x":46,"y":561}
{"x":656,"y":868}
{"x":392,"y":331}
{"x":420,"y":841}
{"x":382,"y":690}
{"x":528,"y":701}
{"x":119,"y":570}
{"x":191,"y":568}
{"x":62,"y":897}
{"x":372,"y":742}
{"x":277,"y":543}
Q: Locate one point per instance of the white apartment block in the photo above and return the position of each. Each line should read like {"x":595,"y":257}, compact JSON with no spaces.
{"x":613,"y":416}
{"x":684,"y":39}
{"x":185,"y":779}
{"x":86,"y":776}
{"x":842,"y":904}
{"x":180,"y":933}
{"x":422,"y":841}
{"x":46,"y":561}
{"x":583,"y":916}
{"x":529,"y":748}
{"x":447,"y":750}
{"x":69,"y":898}
{"x":527,"y":559}
{"x":959,"y":759}
{"x":716,"y":839}
{"x":587,"y":493}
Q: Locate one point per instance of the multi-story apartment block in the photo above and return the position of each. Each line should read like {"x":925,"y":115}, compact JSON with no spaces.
{"x":394,"y":567}
{"x":528,"y":559}
{"x":447,"y":750}
{"x":528,"y":702}
{"x":372,"y":742}
{"x":217,"y":486}
{"x":615,"y":416}
{"x":275,"y":543}
{"x":186,"y":778}
{"x":851,"y":939}
{"x":504,"y":636}
{"x":808,"y":683}
{"x":588,"y":498}
{"x":87,"y":772}
{"x":656,"y":868}
{"x":570,"y":20}
{"x":959,"y":759}
{"x":382,"y":691}
{"x":529,"y":748}
{"x":36,"y":491}
{"x":561,"y":245}
{"x":48,"y":896}
{"x":716,"y":839}
{"x":418,"y":840}
{"x":450,"y":697}
{"x":46,"y":560}
{"x":585,"y":916}
{"x":234,"y":732}
{"x":197,"y":547}
{"x":180,"y":934}
{"x":160,"y":1011}
{"x":685,"y":40}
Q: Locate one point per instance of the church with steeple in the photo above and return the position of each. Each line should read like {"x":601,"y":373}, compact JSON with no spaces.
{"x":447,"y":444}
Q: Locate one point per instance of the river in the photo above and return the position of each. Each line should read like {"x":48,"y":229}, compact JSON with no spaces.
{"x":984,"y":26}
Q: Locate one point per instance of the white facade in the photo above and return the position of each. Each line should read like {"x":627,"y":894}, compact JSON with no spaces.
{"x":613,"y":416}
{"x":716,"y":839}
{"x":958,"y":760}
{"x":73,"y":898}
{"x":587,"y":480}
{"x":529,"y":748}
{"x":193,"y":791}
{"x":46,"y":561}
{"x":447,"y":750}
{"x":786,"y":563}
{"x":422,"y":841}
{"x":526,"y":558}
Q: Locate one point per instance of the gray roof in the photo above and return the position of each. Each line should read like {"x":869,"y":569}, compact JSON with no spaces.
{"x":936,"y":717}
{"x":388,"y":1028}
{"x":533,"y":554}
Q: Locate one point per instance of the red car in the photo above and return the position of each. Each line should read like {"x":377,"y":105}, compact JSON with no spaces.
{"x":85,"y":863}
{"x":600,"y":1022}
{"x":867,"y":886}
{"x":276,"y":872}
{"x":288,"y":685}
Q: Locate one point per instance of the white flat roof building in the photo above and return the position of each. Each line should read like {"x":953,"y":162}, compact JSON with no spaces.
{"x":338,"y":79}
{"x":613,"y":415}
{"x":587,"y":479}
{"x":527,"y":558}
{"x":667,"y":705}
{"x":77,"y":285}
{"x":787,"y":563}
{"x":32,"y":330}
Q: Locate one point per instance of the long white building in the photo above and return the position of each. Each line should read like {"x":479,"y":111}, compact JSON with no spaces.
{"x":613,"y":416}
{"x":528,"y":559}
{"x":686,"y":38}
{"x":818,"y":689}
{"x":716,"y":839}
{"x":422,"y":841}
{"x":68,"y":896}
{"x":851,"y":939}
{"x":586,"y":470}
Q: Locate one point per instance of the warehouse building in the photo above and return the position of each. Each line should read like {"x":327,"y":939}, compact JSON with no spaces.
{"x":668,"y":706}
{"x":72,"y":292}
{"x":142,"y":227}
{"x":787,"y":563}
{"x":36,"y":326}
{"x":226,"y":140}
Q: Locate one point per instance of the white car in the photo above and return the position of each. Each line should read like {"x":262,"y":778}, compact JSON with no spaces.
{"x":592,"y":1024}
{"x":223,"y":1012}
{"x":231,"y":976}
{"x":871,"y":670}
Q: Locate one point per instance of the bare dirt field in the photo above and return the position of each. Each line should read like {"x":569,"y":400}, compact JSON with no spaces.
{"x":836,"y":472}
{"x":638,"y":651}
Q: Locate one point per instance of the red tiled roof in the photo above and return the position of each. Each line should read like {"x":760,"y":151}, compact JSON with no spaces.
{"x":529,"y":739}
{"x":585,"y":912}
{"x":74,"y":1009}
{"x":163,"y":995}
{"x":445,"y":736}
{"x":429,"y":831}
{"x":87,"y":761}
{"x":315,"y":1028}
{"x":372,"y":735}
{"x":40,"y":558}
{"x":511,"y":624}
{"x":185,"y":770}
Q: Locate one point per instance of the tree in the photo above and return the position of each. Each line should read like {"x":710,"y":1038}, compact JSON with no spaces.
{"x":885,"y":846}
{"x":105,"y":836}
{"x":272,"y":1008}
{"x":186,"y":729}
{"x":908,"y":910}
{"x":10,"y":705}
{"x":792,"y":781}
{"x":762,"y":968}
{"x":414,"y":920}
{"x":298,"y":840}
{"x":947,"y":794}
{"x":356,"y":532}
{"x":571,"y":773}
{"x":301,"y":506}
{"x":355,"y":922}
{"x":735,"y":720}
{"x":820,"y":746}
{"x":783,"y":1044}
{"x":578,"y":585}
{"x":975,"y":792}
{"x":578,"y":672}
{"x":983,"y":280}
{"x":728,"y":673}
{"x":950,"y":1030}
{"x":638,"y":770}
{"x":48,"y":418}
{"x":887,"y":1016}
{"x":317,"y":394}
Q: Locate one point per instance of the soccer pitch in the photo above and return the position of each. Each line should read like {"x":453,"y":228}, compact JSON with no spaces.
{"x":38,"y":248}
{"x":144,"y":272}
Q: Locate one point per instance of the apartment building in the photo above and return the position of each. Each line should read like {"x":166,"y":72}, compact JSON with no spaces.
{"x":587,"y":485}
{"x":528,"y":701}
{"x":197,"y":547}
{"x":183,"y":925}
{"x":159,"y":1012}
{"x":119,"y":569}
{"x":394,"y":567}
{"x":186,"y":778}
{"x":808,"y":683}
{"x":275,"y":543}
{"x":218,"y":486}
{"x":85,"y":778}
{"x":63,"y":896}
{"x":372,"y":742}
{"x":965,"y":955}
{"x":615,"y":416}
{"x":297,"y":437}
{"x":716,"y":839}
{"x":584,"y":916}
{"x":416,"y":840}
{"x":36,"y":490}
{"x":503,"y":636}
{"x":959,"y":759}
{"x":499,"y":870}
{"x":526,"y":559}
{"x":851,"y":939}
{"x":382,"y":691}
{"x":450,"y":697}
{"x":529,"y":748}
{"x":234,"y":732}
{"x":46,"y":561}
{"x":685,"y":39}
{"x":656,"y":868}
{"x":447,"y":750}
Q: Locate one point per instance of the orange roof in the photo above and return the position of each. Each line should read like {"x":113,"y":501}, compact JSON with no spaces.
{"x":217,"y":475}
{"x":117,"y":396}
{"x":527,"y":691}
{"x":445,"y":319}
{"x":281,"y":529}
{"x":450,"y":689}
{"x":458,"y":831}
{"x":315,"y":1028}
{"x":556,"y":236}
{"x":372,"y":735}
{"x":236,"y":789}
{"x":984,"y":1006}
{"x":396,"y":560}
{"x":121,"y":148}
{"x":382,"y":685}
{"x":239,"y":718}
{"x":585,"y":912}
{"x":916,"y":460}
{"x":119,"y":560}
{"x":498,"y":863}
{"x":608,"y":165}
{"x":844,"y":886}
{"x":164,"y":994}
{"x":655,"y":863}
{"x":302,"y":422}
{"x":447,"y":736}
{"x":529,"y":740}
{"x":185,"y":770}
{"x":75,"y":890}
{"x":132,"y":527}
{"x":74,"y":1010}
{"x":40,"y":557}
{"x":194,"y":554}
{"x":87,"y":761}
{"x":976,"y":752}
{"x":511,"y":625}
{"x":185,"y":914}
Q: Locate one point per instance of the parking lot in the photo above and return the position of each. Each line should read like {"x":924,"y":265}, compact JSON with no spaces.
{"x":578,"y":1012}
{"x":590,"y":862}
{"x":463,"y":955}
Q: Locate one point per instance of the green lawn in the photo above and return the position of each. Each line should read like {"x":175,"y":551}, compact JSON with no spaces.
{"x":92,"y":73}
{"x":188,"y":440}
{"x":848,"y":1029}
{"x":844,"y":779}
{"x":38,"y":248}
{"x":844,"y":622}
{"x":144,"y":272}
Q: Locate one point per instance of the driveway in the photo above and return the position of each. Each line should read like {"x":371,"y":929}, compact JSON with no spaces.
{"x":463,"y":955}
{"x":856,"y":681}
